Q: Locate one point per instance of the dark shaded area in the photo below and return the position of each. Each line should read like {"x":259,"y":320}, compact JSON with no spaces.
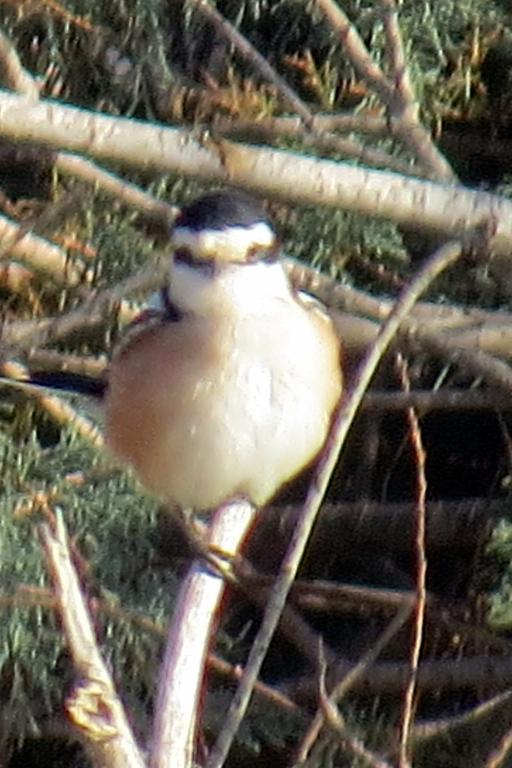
{"x":93,"y":386}
{"x":48,"y":753}
{"x":480,"y":150}
{"x":25,"y":171}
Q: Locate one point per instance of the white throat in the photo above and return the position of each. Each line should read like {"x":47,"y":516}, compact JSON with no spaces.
{"x":228,"y":287}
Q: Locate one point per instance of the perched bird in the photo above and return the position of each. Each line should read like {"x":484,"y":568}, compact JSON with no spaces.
{"x":226,"y":385}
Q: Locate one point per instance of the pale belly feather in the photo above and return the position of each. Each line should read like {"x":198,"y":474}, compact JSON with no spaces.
{"x":237,"y":412}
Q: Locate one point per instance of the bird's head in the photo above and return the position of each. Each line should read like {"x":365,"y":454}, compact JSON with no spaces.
{"x":224,"y":253}
{"x":223,"y":228}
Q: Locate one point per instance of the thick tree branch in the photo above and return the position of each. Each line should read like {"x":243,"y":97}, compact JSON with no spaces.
{"x":178,"y":699}
{"x":449,"y":209}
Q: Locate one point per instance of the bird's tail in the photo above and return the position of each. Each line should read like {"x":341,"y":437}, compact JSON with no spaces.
{"x":75,"y":383}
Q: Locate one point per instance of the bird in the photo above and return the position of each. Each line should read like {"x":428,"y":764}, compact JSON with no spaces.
{"x":226,"y":385}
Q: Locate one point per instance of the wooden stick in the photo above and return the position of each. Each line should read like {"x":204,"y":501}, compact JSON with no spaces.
{"x":95,"y":707}
{"x":183,"y":668}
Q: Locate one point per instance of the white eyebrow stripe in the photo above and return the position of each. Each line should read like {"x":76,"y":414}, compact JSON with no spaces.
{"x":229,"y":244}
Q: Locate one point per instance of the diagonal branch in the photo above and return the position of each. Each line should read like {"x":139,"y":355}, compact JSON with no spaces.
{"x":308,"y":131}
{"x":395,"y":92}
{"x":259,"y":62}
{"x":94,"y":707}
{"x":440,"y":261}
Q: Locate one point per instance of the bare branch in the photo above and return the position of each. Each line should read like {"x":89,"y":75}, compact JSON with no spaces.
{"x":43,"y":256}
{"x":421,"y":571}
{"x":357,"y":51}
{"x":322,"y":122}
{"x":13,"y":73}
{"x":396,"y":53}
{"x":495,"y":372}
{"x":396,"y":93}
{"x":482,"y":671}
{"x":443,"y":258}
{"x":259,"y":62}
{"x":344,"y":527}
{"x":274,"y":128}
{"x":27,"y":333}
{"x":453,"y":210}
{"x":178,"y":697}
{"x":498,"y":756}
{"x":94,"y":707}
{"x":432,"y":729}
{"x":330,"y":702}
{"x":128,"y":193}
{"x":437,"y":400}
{"x":333,"y":718}
{"x":49,"y":359}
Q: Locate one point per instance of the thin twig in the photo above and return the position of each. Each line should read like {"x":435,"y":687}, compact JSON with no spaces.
{"x":94,"y":708}
{"x":443,"y":258}
{"x":28,"y":333}
{"x":421,"y":572}
{"x":333,"y":718}
{"x":249,"y":52}
{"x":347,"y":682}
{"x":396,"y":92}
{"x":498,"y":756}
{"x":433,"y":729}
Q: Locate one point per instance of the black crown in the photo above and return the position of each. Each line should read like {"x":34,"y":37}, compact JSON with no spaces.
{"x":219,"y":210}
